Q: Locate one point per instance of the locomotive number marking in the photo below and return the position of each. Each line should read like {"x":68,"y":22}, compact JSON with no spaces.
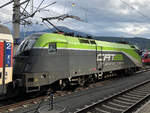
{"x":8,"y":46}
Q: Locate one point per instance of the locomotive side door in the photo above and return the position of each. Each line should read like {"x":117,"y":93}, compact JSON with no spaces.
{"x":59,"y":60}
{"x":98,"y":56}
{"x":99,"y":61}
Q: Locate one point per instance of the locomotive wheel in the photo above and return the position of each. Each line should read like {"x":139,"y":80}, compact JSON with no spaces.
{"x":81,"y":81}
{"x":84,"y":81}
{"x":91,"y":79}
{"x":129,"y":72}
{"x":63,"y":84}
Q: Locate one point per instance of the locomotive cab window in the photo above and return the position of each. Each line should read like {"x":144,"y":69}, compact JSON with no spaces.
{"x":132,"y":46}
{"x":27,"y":44}
{"x":83,"y":41}
{"x":92,"y":42}
{"x":52,"y":47}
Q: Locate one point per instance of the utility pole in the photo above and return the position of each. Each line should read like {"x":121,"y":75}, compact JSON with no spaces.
{"x":16,"y":19}
{"x":16,"y":23}
{"x":19,"y":16}
{"x":32,"y":7}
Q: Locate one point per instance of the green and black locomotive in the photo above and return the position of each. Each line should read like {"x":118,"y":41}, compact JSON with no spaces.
{"x":47,"y":58}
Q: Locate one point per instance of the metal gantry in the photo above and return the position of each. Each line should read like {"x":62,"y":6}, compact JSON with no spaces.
{"x":22,"y":16}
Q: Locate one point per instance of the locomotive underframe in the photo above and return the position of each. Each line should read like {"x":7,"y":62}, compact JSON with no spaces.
{"x":2,"y":90}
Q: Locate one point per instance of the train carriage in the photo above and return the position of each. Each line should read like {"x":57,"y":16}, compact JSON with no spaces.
{"x":44,"y":58}
{"x":6,"y":59}
{"x":146,"y":58}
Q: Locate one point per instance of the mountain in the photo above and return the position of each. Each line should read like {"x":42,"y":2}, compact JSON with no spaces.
{"x":64,"y":29}
{"x":141,"y":42}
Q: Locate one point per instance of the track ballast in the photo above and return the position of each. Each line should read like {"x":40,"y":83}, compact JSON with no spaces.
{"x":123,"y":102}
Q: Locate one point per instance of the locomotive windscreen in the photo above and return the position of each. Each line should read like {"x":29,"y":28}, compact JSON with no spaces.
{"x":28,"y":43}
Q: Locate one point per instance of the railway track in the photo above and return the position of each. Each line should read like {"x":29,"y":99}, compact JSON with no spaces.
{"x":26,"y":103}
{"x":124,"y":102}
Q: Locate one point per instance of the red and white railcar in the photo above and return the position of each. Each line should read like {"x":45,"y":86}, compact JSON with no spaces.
{"x":146,"y":58}
{"x":6,"y":59}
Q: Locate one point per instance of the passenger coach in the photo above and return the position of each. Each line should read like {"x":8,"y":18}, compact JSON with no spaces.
{"x":6,"y":60}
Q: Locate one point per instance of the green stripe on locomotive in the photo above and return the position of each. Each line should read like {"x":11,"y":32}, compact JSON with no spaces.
{"x":74,"y":43}
{"x":118,"y":57}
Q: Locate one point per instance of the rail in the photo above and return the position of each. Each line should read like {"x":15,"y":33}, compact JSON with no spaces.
{"x":124,"y":102}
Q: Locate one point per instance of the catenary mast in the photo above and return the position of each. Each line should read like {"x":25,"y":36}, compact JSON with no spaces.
{"x":16,"y":19}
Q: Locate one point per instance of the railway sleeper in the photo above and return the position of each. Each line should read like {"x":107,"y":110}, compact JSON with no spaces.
{"x":110,"y":109}
{"x":127,"y":99}
{"x":141,"y":92}
{"x":98,"y":110}
{"x":119,"y":104}
{"x":131,"y":97}
{"x":137,"y":93}
{"x":122,"y":102}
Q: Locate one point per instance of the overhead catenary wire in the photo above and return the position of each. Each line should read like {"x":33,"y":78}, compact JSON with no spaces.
{"x":6,"y":4}
{"x":139,"y":12}
{"x":24,"y":11}
{"x":20,"y":17}
{"x":46,"y":25}
{"x":26,"y":16}
{"x":37,"y":10}
{"x":39,"y":6}
{"x":46,"y":6}
{"x":75,"y":5}
{"x":25,"y":7}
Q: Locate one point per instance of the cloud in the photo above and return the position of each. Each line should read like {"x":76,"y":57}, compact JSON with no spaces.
{"x":133,"y":29}
{"x":102,"y":17}
{"x":6,"y":12}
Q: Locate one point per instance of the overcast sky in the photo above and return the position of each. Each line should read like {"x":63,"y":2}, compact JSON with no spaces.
{"x":101,"y":17}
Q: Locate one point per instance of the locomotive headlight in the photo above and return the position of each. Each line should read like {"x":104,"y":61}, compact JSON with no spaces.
{"x":43,"y":76}
{"x":36,"y":80}
{"x":33,"y":80}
